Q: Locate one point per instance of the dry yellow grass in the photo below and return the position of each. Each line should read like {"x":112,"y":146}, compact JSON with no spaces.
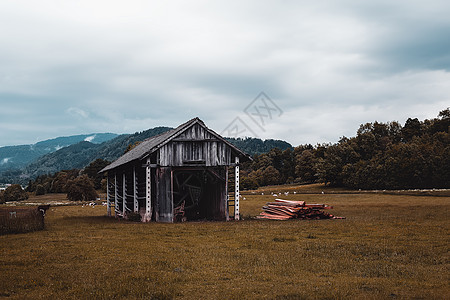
{"x":388,"y":247}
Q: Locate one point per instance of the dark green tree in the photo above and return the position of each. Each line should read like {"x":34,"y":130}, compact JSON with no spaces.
{"x":442,"y":123}
{"x":306,"y":166}
{"x":93,"y":169}
{"x":271,"y":176}
{"x":81,"y":189}
{"x":287,"y":170}
{"x":336,"y":157}
{"x":131,"y":146}
{"x":411,"y":129}
{"x":40,"y":190}
{"x":59,"y":182}
{"x":15,"y":193}
{"x":248,"y":182}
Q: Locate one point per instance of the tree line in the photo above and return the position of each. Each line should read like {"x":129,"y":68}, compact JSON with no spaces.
{"x":380,"y":156}
{"x":80,"y":185}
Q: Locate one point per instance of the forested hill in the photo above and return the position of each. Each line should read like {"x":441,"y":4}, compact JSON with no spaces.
{"x":80,"y":155}
{"x":16,"y":157}
{"x":255,"y":146}
{"x":380,"y":156}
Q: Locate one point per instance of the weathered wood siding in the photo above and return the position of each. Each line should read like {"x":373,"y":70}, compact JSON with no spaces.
{"x":164,"y":201}
{"x":195,"y":146}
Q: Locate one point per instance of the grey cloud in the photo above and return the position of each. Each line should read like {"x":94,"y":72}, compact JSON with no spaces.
{"x":129,"y":67}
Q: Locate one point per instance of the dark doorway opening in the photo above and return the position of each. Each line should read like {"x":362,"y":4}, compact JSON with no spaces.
{"x":198,"y":194}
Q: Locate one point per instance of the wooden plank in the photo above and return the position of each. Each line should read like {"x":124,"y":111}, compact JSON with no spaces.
{"x":179,"y":151}
{"x":164,"y":200}
{"x":236,"y":189}
{"x":195,"y":140}
{"x":227,"y":213}
{"x":124,"y":195}
{"x":108,"y":197}
{"x":135,"y":193}
{"x":148,"y":193}
{"x":150,"y":165}
{"x":116,"y":194}
{"x":301,"y":203}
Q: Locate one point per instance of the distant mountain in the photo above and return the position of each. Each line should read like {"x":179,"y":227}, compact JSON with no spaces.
{"x":115,"y":148}
{"x":254,"y":146}
{"x":71,"y":157}
{"x":80,"y":154}
{"x":17,"y":157}
{"x":64,"y":141}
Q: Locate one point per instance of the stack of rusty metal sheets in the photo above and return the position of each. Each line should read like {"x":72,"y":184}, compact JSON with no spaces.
{"x":287,"y":209}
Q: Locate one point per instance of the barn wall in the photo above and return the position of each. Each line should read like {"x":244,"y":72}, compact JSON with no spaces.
{"x":196,"y":132}
{"x":195,"y":146}
{"x":164,"y":201}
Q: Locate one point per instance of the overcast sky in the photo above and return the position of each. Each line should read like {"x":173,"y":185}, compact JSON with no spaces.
{"x":72,"y":67}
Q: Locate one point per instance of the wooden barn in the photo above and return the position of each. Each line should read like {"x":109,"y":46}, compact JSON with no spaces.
{"x":187,"y":173}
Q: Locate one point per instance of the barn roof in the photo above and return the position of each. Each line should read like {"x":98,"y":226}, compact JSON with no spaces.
{"x":153,"y":143}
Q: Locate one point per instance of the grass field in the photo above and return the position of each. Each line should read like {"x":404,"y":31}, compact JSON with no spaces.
{"x":389,"y":247}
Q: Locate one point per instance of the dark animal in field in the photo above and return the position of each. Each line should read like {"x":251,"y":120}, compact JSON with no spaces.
{"x":43,"y":209}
